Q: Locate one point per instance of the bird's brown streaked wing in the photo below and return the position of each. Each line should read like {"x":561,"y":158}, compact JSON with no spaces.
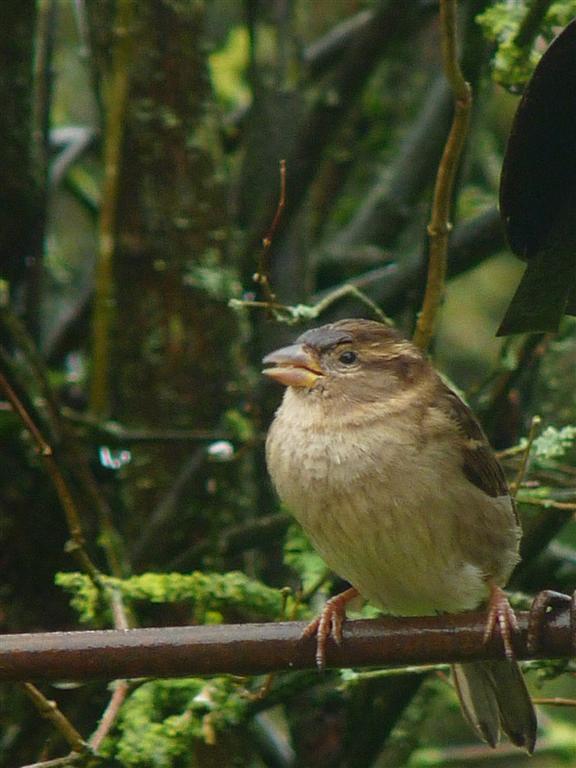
{"x":478,"y":461}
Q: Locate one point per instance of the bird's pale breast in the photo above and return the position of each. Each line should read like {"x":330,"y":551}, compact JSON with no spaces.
{"x":389,"y":511}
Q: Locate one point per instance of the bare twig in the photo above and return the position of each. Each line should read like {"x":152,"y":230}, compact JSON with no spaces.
{"x":550,"y":503}
{"x":248,"y":649}
{"x":517,"y":482}
{"x":121,"y":691}
{"x":439,"y":226}
{"x":78,"y":543}
{"x":116,"y":102}
{"x":292,"y":314}
{"x":61,"y":437}
{"x":57,"y":762}
{"x":262,"y":275}
{"x":49,"y":710}
{"x":556,"y":701}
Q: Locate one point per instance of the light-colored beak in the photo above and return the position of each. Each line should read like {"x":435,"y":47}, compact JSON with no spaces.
{"x":294,"y":366}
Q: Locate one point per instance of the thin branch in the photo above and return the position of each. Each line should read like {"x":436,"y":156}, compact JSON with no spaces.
{"x":556,"y":701}
{"x":18,"y":335}
{"x":62,"y":438}
{"x":569,"y":506}
{"x":291,"y":314}
{"x":49,"y":710}
{"x":121,"y":691}
{"x":78,"y":542}
{"x":116,"y":103}
{"x":251,"y":649}
{"x":262,"y":275}
{"x":515,"y":485}
{"x":440,"y":226}
{"x":57,"y":762}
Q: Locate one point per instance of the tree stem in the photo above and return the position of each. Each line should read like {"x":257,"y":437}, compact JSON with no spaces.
{"x":440,"y":225}
{"x":103,"y":317}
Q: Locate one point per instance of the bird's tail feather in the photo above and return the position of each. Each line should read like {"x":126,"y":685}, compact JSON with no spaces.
{"x":493,"y":694}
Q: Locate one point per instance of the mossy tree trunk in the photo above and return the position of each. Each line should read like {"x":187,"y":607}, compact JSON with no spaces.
{"x":172,"y":356}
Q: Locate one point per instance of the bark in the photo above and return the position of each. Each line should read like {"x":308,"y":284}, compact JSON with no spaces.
{"x":173,"y":337}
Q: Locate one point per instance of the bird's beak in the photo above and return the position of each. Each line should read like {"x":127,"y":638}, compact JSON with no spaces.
{"x":294,"y":366}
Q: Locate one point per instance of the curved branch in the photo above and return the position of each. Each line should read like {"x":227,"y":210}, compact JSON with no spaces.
{"x":249,"y":649}
{"x":440,"y":225}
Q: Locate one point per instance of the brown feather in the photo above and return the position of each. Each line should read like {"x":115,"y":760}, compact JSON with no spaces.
{"x":478,"y":461}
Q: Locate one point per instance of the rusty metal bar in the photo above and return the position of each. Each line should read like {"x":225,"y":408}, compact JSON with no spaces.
{"x":261,"y":648}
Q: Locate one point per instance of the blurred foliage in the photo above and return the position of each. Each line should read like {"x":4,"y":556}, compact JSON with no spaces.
{"x":219,"y":92}
{"x":514,"y":59}
{"x":209,"y":595}
{"x":553,"y":443}
{"x":163,"y":721}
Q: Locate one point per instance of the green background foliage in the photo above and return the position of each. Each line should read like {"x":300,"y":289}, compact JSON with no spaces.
{"x":192,"y":105}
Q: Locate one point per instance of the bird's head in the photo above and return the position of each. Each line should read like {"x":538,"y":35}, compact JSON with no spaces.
{"x":358,"y":360}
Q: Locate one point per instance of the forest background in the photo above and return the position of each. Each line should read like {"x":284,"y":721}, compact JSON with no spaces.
{"x":140,"y":156}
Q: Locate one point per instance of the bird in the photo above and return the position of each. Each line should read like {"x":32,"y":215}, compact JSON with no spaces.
{"x":395,"y":483}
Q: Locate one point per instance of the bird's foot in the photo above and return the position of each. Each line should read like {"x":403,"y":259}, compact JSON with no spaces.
{"x":537,"y":619}
{"x":329,"y":624}
{"x":502,"y":618}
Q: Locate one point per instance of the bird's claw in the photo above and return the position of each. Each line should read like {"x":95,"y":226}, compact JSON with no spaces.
{"x":537,"y":617}
{"x":501,"y":617}
{"x":329,"y":624}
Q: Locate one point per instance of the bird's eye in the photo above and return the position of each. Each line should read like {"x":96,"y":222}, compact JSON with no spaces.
{"x":348,"y":357}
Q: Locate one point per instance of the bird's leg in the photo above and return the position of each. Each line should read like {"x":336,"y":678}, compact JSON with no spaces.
{"x":329,"y":624}
{"x":537,"y":618}
{"x":501,"y":617}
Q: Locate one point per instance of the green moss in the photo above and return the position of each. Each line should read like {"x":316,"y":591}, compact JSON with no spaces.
{"x":210,"y":594}
{"x":162,"y":719}
{"x":86,"y":598}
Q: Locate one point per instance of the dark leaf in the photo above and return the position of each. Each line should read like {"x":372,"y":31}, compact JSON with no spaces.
{"x":538,"y":191}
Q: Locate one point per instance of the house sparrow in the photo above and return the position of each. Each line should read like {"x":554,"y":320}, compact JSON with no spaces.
{"x":393,"y":480}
